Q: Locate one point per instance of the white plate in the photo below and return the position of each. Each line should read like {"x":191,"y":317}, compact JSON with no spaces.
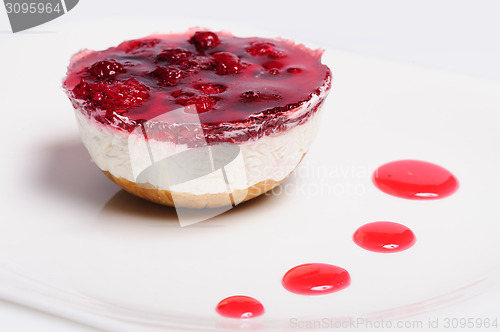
{"x":75,"y":245}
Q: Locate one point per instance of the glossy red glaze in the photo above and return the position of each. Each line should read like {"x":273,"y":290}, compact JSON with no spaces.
{"x":243,"y":84}
{"x":316,"y":279}
{"x":384,"y":236}
{"x":240,"y":306}
{"x":414,"y":179}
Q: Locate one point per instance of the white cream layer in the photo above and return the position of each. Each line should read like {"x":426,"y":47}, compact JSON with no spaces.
{"x":270,"y":157}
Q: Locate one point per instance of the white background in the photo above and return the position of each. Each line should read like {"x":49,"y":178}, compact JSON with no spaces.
{"x":458,"y":36}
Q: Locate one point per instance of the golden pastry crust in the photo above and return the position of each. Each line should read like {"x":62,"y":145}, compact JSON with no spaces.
{"x":164,"y":197}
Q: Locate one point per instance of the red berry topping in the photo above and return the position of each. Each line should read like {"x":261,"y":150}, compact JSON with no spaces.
{"x":257,"y":96}
{"x":227,"y":63}
{"x":246,"y":86}
{"x":260,"y":48}
{"x":189,"y":65}
{"x":134,"y":46}
{"x":168,"y":75}
{"x":203,"y":103}
{"x":205,"y":40}
{"x":112,"y":96}
{"x":131,"y":92}
{"x":265,"y":48}
{"x":205,"y":62}
{"x":294,"y":70}
{"x":179,"y":56}
{"x":273,"y":64}
{"x":106,"y":69}
{"x":184,"y":92}
{"x":210,"y":88}
{"x":174,"y":55}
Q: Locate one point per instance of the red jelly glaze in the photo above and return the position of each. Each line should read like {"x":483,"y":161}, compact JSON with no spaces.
{"x":240,"y":306}
{"x":384,"y":236}
{"x":243,"y":84}
{"x":414,"y":179}
{"x":316,"y":279}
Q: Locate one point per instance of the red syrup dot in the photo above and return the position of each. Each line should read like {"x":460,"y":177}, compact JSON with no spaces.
{"x":414,"y":179}
{"x":240,"y":306}
{"x":384,"y":236}
{"x":316,"y":279}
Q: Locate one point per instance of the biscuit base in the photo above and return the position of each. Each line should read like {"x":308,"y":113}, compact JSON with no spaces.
{"x":186,"y":200}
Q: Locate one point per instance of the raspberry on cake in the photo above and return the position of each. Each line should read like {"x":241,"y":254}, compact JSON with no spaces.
{"x":158,"y":97}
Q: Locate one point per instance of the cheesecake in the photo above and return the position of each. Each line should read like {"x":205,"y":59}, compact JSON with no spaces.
{"x":198,"y":119}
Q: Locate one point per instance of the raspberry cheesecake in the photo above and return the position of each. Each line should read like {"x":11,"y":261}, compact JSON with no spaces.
{"x":248,"y":106}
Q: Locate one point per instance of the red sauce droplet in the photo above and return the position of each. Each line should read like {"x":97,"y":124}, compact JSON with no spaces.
{"x":240,"y":306}
{"x":384,"y":236}
{"x":316,"y":279}
{"x":414,"y":179}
